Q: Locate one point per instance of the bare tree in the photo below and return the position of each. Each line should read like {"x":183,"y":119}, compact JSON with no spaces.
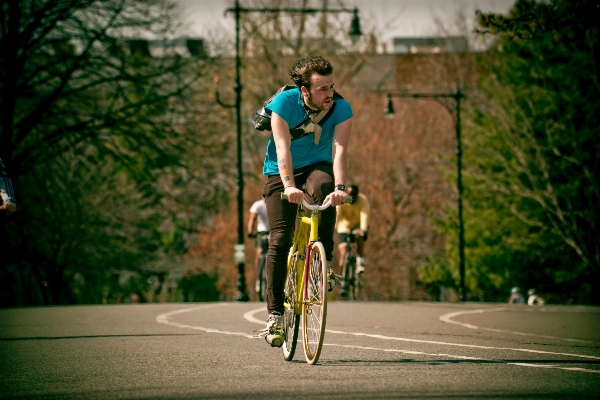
{"x":113,"y":148}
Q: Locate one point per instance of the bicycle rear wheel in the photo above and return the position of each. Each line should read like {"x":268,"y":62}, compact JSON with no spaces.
{"x":314,"y":308}
{"x":357,"y":284}
{"x":262,"y":277}
{"x":291,"y":319}
{"x":346,"y":277}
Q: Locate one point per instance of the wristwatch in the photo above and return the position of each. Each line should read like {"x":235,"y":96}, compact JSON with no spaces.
{"x":340,"y":187}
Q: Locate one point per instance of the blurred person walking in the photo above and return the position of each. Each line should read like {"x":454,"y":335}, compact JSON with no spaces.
{"x":515,"y":296}
{"x":533,"y":298}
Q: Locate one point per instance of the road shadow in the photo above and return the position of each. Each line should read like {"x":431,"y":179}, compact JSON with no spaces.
{"x":18,"y":339}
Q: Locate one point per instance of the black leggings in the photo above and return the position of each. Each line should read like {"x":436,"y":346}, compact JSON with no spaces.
{"x":281,"y":215}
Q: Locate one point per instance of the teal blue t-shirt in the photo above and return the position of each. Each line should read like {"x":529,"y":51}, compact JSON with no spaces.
{"x":288,"y":105}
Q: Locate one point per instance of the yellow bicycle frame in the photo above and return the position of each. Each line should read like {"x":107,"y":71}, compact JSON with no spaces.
{"x":307,"y":232}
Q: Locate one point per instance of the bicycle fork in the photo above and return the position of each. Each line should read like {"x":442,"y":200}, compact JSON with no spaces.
{"x":312,"y":224}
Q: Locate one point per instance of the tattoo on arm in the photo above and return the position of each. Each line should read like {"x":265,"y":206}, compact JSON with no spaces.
{"x":283,"y":171}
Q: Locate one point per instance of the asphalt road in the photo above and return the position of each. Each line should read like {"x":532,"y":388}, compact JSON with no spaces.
{"x":407,"y":350}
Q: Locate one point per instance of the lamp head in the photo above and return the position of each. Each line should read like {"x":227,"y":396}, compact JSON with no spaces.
{"x":389,"y":107}
{"x":355,"y":31}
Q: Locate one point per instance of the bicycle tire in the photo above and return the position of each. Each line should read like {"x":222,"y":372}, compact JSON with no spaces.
{"x":314,"y":308}
{"x":357,"y":285}
{"x":346,"y":276}
{"x":352,"y":269}
{"x":262,"y":277}
{"x":291,"y":319}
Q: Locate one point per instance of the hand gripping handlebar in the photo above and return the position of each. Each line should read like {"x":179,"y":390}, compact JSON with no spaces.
{"x":316,"y":207}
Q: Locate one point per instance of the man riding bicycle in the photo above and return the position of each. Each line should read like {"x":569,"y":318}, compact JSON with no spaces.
{"x":316,"y":159}
{"x":353,"y":219}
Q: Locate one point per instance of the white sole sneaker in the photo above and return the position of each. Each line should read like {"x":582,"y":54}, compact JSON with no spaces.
{"x":274,"y":340}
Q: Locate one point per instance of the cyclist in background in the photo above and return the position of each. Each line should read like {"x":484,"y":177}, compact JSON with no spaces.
{"x":353,"y":218}
{"x":316,"y":159}
{"x":258,"y":227}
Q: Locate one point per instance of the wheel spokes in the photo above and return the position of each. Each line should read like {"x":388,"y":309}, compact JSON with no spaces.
{"x":314,"y":303}
{"x":290,"y":318}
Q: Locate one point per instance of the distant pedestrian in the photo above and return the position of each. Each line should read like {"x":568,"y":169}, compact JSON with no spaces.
{"x":515,"y":296}
{"x":534,"y":299}
{"x":8,"y":204}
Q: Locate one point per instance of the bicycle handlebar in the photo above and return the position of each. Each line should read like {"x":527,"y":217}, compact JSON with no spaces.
{"x":316,"y":207}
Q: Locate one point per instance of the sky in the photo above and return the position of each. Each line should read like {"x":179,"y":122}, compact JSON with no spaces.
{"x":394,"y":18}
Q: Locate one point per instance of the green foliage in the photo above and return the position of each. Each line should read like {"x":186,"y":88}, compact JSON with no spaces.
{"x":532,"y":150}
{"x":199,"y":286}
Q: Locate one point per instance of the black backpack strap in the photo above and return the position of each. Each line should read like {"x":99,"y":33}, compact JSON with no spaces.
{"x":262,"y":118}
{"x":299,"y":132}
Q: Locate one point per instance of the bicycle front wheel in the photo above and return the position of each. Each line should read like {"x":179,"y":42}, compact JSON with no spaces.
{"x":291,"y":319}
{"x":314,"y":308}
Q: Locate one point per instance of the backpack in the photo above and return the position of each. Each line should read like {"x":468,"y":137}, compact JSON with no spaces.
{"x":262,"y":118}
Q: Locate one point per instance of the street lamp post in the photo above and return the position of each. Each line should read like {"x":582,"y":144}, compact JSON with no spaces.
{"x":450,"y":107}
{"x":237,"y":11}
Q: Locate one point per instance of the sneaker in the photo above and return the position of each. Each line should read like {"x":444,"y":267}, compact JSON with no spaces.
{"x":257,"y":286}
{"x":274,"y":331}
{"x":360,"y":266}
{"x":332,"y":278}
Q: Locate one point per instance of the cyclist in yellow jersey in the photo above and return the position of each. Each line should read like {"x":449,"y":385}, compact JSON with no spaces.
{"x":353,"y":218}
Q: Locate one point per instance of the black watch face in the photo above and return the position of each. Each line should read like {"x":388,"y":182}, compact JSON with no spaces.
{"x":340,"y":187}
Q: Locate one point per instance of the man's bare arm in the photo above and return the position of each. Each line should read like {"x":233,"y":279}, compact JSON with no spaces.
{"x":341,"y":138}
{"x":251,"y":222}
{"x":283,"y":140}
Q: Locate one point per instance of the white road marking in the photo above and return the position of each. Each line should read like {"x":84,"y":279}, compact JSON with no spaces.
{"x":448,"y":319}
{"x":413,"y":352}
{"x":555,"y":367}
{"x":164,"y":319}
{"x":460,"y":344}
{"x":462,"y":358}
{"x":249,"y":316}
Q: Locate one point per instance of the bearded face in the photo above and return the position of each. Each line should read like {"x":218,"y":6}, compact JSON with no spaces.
{"x":320,"y":94}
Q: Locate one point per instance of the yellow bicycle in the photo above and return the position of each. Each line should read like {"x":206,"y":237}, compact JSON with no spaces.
{"x":305,"y":292}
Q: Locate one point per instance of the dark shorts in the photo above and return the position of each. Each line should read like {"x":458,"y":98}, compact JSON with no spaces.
{"x":262,"y":240}
{"x":346,"y":237}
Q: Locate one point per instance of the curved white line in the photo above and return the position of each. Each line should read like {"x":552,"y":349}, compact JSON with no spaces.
{"x":448,"y":319}
{"x":249,"y":316}
{"x":461,"y":357}
{"x":459,"y":344}
{"x":414,"y":352}
{"x":164,"y":319}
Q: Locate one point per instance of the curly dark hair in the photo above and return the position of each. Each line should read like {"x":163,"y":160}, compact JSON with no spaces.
{"x":303,"y":69}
